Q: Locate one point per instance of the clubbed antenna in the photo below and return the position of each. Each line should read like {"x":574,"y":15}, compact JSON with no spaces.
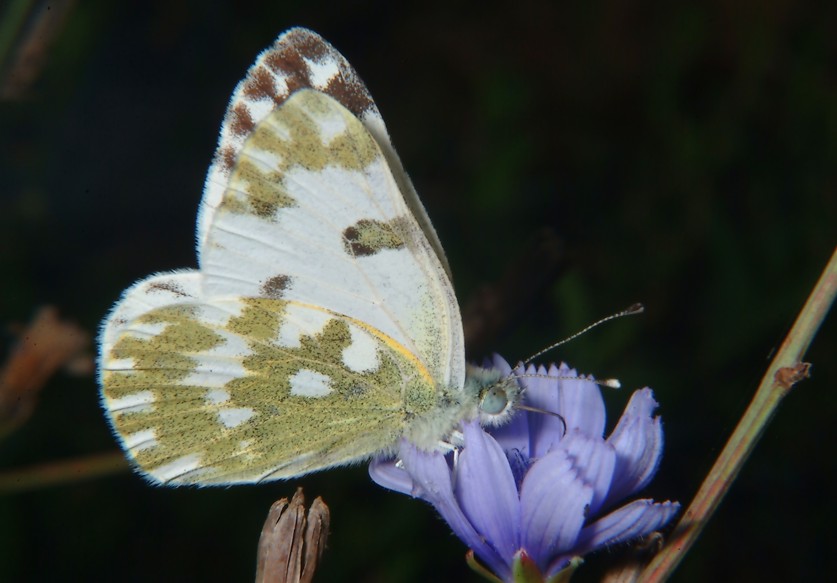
{"x":630,"y":311}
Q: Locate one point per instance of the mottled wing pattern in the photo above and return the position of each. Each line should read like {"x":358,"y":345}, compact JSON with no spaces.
{"x":252,"y":389}
{"x":301,"y":59}
{"x":312,"y":213}
{"x":321,"y":321}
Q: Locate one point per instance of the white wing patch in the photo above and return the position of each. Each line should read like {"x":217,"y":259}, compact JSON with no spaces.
{"x":231,"y":418}
{"x":145,"y":439}
{"x":309,"y":383}
{"x":179,"y":467}
{"x":362,"y":354}
{"x":300,"y":320}
{"x":217,"y":396}
{"x":322,"y":72}
{"x":139,"y":402}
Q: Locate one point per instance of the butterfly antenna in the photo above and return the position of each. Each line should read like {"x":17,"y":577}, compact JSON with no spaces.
{"x":609,"y":383}
{"x":630,"y":311}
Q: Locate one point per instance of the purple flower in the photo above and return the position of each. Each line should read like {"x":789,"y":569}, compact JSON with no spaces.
{"x":542,"y":488}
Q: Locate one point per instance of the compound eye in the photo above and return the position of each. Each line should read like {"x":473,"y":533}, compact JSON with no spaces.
{"x":494,"y":401}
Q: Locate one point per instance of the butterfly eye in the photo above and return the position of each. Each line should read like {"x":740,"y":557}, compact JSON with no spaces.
{"x":494,"y":401}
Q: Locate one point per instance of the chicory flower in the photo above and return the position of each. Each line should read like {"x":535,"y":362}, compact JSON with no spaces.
{"x":541,"y":490}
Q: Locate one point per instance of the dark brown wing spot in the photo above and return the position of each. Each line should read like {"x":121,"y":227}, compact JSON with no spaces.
{"x":259,"y":85}
{"x":349,"y":91}
{"x":286,"y":61}
{"x":241,"y":122}
{"x":289,"y":64}
{"x":226,"y":158}
{"x":353,"y":243}
{"x":275,"y":286}
{"x":368,"y":236}
{"x":169,"y":287}
{"x":311,"y":46}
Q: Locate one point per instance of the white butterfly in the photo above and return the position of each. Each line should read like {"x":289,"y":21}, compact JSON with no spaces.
{"x":321,"y":326}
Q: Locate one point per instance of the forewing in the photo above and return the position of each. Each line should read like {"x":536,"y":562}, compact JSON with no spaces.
{"x":249,"y":389}
{"x":312,"y":213}
{"x":300,"y":59}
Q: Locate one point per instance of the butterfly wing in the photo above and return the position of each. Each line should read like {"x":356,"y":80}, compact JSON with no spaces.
{"x":312,"y":213}
{"x":320,"y":322}
{"x":300,"y":59}
{"x":251,"y":389}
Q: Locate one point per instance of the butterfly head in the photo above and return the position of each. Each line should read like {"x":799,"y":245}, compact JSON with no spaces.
{"x":497,"y":394}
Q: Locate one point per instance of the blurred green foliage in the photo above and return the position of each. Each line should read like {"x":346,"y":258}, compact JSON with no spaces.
{"x":684,"y":153}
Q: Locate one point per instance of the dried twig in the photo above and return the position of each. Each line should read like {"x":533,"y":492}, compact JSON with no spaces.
{"x":44,"y":346}
{"x":292,"y":542}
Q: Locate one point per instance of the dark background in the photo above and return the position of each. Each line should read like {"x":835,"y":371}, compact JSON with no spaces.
{"x":683,"y":154}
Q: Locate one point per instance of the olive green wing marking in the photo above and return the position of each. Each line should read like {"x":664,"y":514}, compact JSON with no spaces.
{"x":246,"y":390}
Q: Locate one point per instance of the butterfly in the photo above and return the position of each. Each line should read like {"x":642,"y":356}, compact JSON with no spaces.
{"x":321,"y":327}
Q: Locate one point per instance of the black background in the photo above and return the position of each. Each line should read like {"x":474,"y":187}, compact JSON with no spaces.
{"x":683,"y":153}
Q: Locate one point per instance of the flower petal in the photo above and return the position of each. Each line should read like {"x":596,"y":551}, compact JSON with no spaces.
{"x":432,"y":479}
{"x":498,"y":362}
{"x":638,"y":440}
{"x":582,"y":406}
{"x":553,"y":503}
{"x":385,"y":472}
{"x":541,"y":391}
{"x":594,"y":459}
{"x":487,"y":492}
{"x":638,"y":518}
{"x":519,"y":465}
{"x":578,"y":402}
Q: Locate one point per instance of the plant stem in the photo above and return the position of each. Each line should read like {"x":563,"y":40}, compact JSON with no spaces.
{"x":786,"y":369}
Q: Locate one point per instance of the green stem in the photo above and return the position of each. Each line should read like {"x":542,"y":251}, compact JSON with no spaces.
{"x":786,"y":369}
